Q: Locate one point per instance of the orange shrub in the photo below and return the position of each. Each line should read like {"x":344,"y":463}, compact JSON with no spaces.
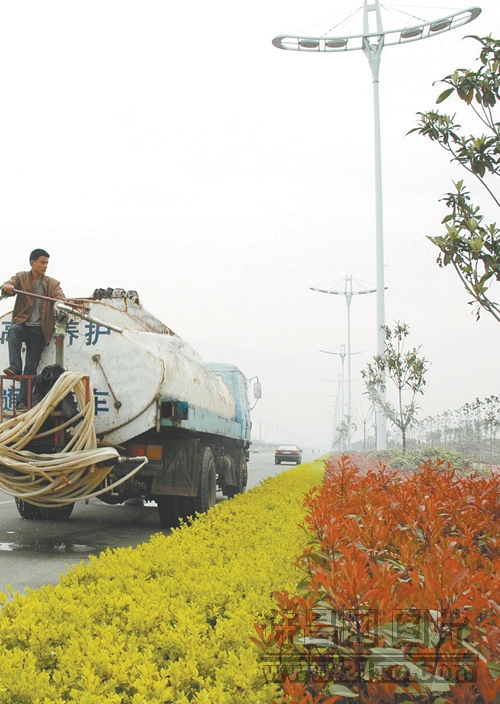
{"x":401,"y":596}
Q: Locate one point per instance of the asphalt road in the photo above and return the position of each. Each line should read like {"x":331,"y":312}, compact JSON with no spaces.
{"x":34,"y":553}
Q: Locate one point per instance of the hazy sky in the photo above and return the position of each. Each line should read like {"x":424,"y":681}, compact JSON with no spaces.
{"x":168,"y":147}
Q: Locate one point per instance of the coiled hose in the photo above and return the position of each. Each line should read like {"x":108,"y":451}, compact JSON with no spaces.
{"x":74,"y":474}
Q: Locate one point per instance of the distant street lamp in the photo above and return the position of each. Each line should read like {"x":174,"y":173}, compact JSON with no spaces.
{"x":336,"y":407}
{"x":337,"y":416}
{"x":342,"y":354}
{"x":372,"y":43}
{"x":348,"y":293}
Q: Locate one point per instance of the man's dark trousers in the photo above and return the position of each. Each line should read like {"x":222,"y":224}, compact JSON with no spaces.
{"x":33,"y":337}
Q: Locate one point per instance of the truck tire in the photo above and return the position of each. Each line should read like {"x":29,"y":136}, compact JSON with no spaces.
{"x":174,"y":509}
{"x":56,"y":513}
{"x":184,"y":508}
{"x":241,"y":471}
{"x":27,"y":510}
{"x":207,"y":482}
{"x":167,"y":511}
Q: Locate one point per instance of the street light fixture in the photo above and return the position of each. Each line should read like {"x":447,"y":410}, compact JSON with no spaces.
{"x":368,"y":41}
{"x":348,"y":293}
{"x":372,"y":43}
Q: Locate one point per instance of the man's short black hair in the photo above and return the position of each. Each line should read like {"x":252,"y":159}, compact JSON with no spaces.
{"x":37,"y":253}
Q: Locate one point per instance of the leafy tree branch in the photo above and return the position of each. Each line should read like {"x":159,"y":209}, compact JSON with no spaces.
{"x":469,"y":244}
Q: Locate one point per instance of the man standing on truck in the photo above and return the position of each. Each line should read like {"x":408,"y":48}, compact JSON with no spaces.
{"x":32,"y":319}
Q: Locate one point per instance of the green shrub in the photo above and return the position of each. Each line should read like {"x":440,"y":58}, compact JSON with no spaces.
{"x":395,"y":459}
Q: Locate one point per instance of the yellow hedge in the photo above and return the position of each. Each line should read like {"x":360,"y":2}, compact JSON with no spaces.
{"x":168,"y":621}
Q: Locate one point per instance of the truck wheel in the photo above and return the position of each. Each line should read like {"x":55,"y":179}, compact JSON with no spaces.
{"x":56,"y":513}
{"x":184,"y":507}
{"x":166,"y":511}
{"x":241,"y":471}
{"x":242,"y":475}
{"x":27,"y":510}
{"x":207,"y":485}
{"x":173,"y":509}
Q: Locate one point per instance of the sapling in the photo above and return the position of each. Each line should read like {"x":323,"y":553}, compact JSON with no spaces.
{"x":407,"y":372}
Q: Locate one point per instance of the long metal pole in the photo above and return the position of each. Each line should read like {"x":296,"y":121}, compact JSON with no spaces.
{"x":379,"y":234}
{"x":338,"y":418}
{"x":348,"y":298}
{"x":33,"y":295}
{"x":372,"y":47}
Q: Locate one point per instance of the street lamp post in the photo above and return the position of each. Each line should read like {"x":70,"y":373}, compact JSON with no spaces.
{"x":342,"y":354}
{"x":372,"y":43}
{"x":348,"y":293}
{"x":337,"y":415}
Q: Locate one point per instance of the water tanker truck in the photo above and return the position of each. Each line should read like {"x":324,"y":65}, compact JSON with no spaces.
{"x":130,"y":411}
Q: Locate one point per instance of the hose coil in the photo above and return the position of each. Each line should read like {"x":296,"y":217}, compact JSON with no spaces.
{"x":77,"y":473}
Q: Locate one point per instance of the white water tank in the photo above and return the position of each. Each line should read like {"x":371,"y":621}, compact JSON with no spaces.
{"x":132,"y":371}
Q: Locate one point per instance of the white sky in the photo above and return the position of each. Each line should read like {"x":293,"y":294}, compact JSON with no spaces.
{"x":168,"y":147}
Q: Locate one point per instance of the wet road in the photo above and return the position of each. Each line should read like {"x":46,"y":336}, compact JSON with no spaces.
{"x":33,"y":553}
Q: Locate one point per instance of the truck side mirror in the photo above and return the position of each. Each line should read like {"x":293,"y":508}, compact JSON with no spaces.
{"x":257,"y":390}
